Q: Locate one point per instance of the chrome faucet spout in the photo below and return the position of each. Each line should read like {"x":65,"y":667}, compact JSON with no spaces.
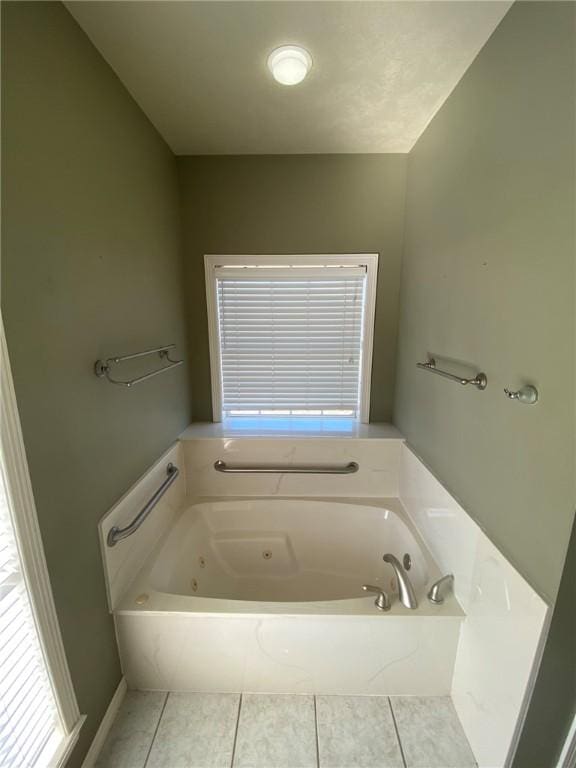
{"x":405,"y":589}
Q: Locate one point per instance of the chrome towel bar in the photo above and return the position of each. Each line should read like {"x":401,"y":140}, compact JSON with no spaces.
{"x":300,"y":469}
{"x":103,"y":367}
{"x":479,"y":381}
{"x":116,"y":534}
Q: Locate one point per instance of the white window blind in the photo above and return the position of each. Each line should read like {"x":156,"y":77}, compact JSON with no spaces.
{"x":30,"y":728}
{"x":290,"y":339}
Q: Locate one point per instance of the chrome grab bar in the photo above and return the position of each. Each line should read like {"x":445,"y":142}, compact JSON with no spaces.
{"x":103,"y":367}
{"x":479,"y":381}
{"x":313,"y":469}
{"x":116,"y":534}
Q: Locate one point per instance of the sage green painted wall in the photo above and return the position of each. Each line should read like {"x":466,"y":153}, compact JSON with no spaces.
{"x":295,"y":204}
{"x":488,"y":278}
{"x":91,"y":266}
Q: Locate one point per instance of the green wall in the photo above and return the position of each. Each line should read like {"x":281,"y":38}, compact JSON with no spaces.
{"x":91,"y":266}
{"x":488,"y":278}
{"x":295,"y":204}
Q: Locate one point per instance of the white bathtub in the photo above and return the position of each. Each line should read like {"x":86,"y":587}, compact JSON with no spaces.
{"x":267,"y":551}
{"x":266,"y":595}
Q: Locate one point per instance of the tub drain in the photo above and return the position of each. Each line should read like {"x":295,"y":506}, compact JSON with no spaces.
{"x":267,"y":554}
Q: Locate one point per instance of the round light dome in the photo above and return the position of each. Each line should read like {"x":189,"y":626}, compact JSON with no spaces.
{"x":289,"y":64}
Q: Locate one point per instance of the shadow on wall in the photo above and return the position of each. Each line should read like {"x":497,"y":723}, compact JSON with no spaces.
{"x":553,"y":704}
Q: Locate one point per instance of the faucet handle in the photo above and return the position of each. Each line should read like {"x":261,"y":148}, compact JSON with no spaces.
{"x":382,"y":601}
{"x":437,"y":591}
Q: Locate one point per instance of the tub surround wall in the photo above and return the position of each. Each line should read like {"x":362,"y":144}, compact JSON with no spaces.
{"x":295,"y":204}
{"x":488,"y":278}
{"x":378,"y":654}
{"x":127,"y":557}
{"x":91,"y":267}
{"x":377,"y":476}
{"x":499,"y":647}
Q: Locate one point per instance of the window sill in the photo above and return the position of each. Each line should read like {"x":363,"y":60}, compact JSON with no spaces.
{"x":279,"y":427}
{"x":60,"y":754}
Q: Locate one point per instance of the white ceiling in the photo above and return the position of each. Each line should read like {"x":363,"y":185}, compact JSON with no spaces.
{"x":198,"y":69}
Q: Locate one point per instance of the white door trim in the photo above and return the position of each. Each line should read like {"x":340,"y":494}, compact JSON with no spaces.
{"x":30,"y":544}
{"x":568,"y":755}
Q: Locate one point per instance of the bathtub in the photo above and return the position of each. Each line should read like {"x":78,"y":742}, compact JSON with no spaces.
{"x":265,"y":595}
{"x":250,"y":554}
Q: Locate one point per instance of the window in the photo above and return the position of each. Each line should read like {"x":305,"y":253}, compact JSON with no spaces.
{"x":291,"y":336}
{"x":28,"y":712}
{"x":39,"y":718}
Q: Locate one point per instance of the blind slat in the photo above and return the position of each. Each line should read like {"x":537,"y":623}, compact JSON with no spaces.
{"x":28,"y":713}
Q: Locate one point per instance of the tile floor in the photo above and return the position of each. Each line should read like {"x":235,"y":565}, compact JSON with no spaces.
{"x":225,"y":730}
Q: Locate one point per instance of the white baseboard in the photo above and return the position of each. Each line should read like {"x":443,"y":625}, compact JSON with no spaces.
{"x":105,"y":725}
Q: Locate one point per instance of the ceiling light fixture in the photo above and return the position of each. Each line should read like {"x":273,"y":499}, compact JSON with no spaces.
{"x":289,"y":64}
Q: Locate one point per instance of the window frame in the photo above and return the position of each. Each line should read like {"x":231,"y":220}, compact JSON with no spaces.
{"x":33,"y":560}
{"x":367,"y":260}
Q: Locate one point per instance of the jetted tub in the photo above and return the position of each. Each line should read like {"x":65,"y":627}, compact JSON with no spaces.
{"x":266,"y":595}
{"x":296,"y":551}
